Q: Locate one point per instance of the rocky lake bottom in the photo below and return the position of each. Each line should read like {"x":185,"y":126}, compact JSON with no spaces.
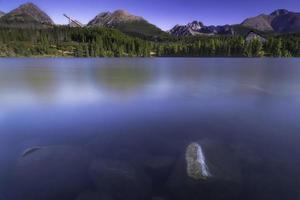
{"x":149,"y":129}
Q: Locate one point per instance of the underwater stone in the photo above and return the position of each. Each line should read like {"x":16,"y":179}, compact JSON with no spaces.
{"x":110,"y":176}
{"x":30,"y":151}
{"x":52,"y":172}
{"x":196,"y":163}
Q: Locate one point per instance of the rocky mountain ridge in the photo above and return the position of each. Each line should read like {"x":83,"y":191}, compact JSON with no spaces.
{"x":198,"y":28}
{"x":279,"y":21}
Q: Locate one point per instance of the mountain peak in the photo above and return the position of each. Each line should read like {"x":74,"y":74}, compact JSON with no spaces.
{"x":280,"y":21}
{"x":280,"y":12}
{"x":121,"y":12}
{"x":25,"y":15}
{"x":198,"y":28}
{"x":125,"y":16}
{"x":112,"y":19}
{"x":195,"y":25}
{"x":127,"y":23}
{"x":30,"y":8}
{"x":27,"y":5}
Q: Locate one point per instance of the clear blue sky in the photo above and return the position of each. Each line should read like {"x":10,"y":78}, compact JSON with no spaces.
{"x":163,"y":13}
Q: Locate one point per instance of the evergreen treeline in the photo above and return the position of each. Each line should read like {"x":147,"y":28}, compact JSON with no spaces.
{"x":102,"y":42}
{"x":64,"y":41}
{"x":276,"y":46}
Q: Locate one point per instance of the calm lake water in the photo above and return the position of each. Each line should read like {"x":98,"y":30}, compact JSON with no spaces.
{"x":118,"y":129}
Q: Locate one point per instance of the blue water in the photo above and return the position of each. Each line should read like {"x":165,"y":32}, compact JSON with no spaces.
{"x":117,"y":129}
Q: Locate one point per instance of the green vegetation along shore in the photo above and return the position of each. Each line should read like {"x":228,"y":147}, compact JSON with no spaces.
{"x":64,"y":41}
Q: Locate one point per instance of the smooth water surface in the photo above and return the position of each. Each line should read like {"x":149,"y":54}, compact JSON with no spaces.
{"x":117,"y":129}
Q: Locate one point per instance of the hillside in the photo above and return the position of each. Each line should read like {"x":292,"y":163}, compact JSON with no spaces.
{"x":127,"y":23}
{"x":26,"y":16}
{"x":279,"y":21}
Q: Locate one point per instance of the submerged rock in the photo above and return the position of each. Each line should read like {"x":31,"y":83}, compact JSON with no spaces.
{"x":53,"y":172}
{"x":30,"y":151}
{"x":90,"y":195}
{"x":119,"y":179}
{"x":222,"y":160}
{"x":159,"y":164}
{"x":212,"y":159}
{"x":196,"y":163}
{"x":158,"y":167}
{"x":158,"y":198}
{"x":205,"y":169}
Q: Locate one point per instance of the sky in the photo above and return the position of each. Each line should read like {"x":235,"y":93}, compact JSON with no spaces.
{"x":163,"y":13}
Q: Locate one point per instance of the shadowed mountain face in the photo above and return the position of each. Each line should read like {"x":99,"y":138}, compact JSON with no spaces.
{"x":261,"y":22}
{"x":280,"y":21}
{"x":27,"y":15}
{"x":126,"y":22}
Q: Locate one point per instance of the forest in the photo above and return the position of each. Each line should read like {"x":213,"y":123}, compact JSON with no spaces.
{"x":64,"y":41}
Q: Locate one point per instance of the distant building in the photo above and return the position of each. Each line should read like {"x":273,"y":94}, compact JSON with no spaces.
{"x":255,"y":36}
{"x":73,"y":22}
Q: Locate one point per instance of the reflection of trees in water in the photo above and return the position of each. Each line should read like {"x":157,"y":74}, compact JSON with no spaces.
{"x":25,"y":84}
{"x":51,"y":84}
{"x":41,"y":82}
{"x":124,"y":79}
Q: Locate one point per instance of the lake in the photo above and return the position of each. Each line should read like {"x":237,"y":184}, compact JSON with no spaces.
{"x":120,"y":128}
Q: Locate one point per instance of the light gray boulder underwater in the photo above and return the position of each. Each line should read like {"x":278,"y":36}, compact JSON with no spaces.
{"x":222,"y":160}
{"x":210,"y":159}
{"x":196,"y":162}
{"x":205,"y":169}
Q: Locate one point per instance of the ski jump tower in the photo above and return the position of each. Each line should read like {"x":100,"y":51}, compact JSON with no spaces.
{"x":73,"y":22}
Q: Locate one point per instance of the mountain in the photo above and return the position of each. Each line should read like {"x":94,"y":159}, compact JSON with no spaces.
{"x":261,"y":22}
{"x":279,"y":21}
{"x":198,"y":28}
{"x":27,"y":15}
{"x":126,"y":22}
{"x":113,"y":19}
{"x":190,"y":29}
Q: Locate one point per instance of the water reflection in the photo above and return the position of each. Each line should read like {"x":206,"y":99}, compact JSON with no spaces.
{"x":129,"y":121}
{"x":45,"y":81}
{"x":120,"y":79}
